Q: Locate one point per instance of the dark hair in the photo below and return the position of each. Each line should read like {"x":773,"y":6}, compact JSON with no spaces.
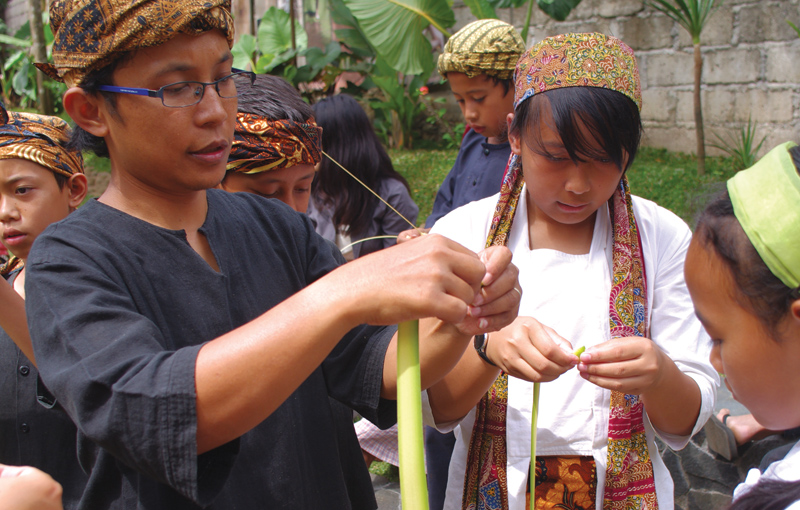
{"x":274,"y":98}
{"x":611,"y":118}
{"x":347,"y":135}
{"x":81,"y":140}
{"x":507,"y":84}
{"x":768,"y":495}
{"x":759,"y":291}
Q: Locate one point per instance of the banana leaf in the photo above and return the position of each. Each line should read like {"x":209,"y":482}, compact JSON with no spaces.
{"x":394,"y":28}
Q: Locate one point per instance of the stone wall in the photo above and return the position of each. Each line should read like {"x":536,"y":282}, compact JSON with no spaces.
{"x":751,"y":65}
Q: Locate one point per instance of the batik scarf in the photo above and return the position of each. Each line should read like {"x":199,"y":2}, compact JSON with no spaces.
{"x":40,"y":139}
{"x":90,"y":34}
{"x":260,"y":144}
{"x":573,"y":60}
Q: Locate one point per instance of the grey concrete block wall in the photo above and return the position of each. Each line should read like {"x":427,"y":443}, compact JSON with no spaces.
{"x":751,"y":65}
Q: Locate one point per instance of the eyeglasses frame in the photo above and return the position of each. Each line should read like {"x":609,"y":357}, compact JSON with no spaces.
{"x":160,"y":92}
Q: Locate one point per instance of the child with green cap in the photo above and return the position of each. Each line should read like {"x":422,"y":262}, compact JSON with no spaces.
{"x":743,"y":273}
{"x":599,"y":269}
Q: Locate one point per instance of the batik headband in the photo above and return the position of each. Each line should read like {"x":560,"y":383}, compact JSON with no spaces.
{"x":40,"y":139}
{"x":90,"y":34}
{"x":487,"y":46}
{"x":260,"y":144}
{"x":578,"y":60}
{"x":766,"y":201}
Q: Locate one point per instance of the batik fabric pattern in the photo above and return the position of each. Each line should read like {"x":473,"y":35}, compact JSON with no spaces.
{"x":578,"y":60}
{"x":565,"y":483}
{"x":90,"y":34}
{"x":630,"y":483}
{"x":260,"y":144}
{"x":487,"y":46}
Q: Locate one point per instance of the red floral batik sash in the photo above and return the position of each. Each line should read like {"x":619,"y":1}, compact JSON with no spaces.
{"x":630,"y":483}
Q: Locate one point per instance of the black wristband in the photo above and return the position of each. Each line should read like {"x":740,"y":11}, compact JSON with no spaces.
{"x":480,"y":343}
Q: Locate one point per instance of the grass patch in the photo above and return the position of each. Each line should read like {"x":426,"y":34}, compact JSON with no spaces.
{"x":425,"y":170}
{"x":386,"y":470}
{"x":668,"y":178}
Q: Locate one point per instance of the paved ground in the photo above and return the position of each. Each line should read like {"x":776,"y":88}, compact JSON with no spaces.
{"x":387,"y":493}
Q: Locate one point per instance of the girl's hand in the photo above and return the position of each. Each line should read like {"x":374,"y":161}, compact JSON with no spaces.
{"x":531,"y":351}
{"x":632,"y":365}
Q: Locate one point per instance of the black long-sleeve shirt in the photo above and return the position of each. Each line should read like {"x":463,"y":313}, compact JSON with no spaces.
{"x":34,"y":430}
{"x":119,"y":309}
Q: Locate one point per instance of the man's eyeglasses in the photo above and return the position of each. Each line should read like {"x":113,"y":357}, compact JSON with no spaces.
{"x":188,"y":93}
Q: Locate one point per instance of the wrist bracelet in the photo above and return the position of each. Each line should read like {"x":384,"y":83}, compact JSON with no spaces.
{"x":480,"y":343}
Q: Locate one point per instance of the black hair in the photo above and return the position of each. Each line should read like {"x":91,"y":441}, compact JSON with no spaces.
{"x":347,"y":135}
{"x":768,"y":495}
{"x":507,"y":84}
{"x":611,"y":118}
{"x":81,"y":140}
{"x":61,"y":180}
{"x":274,"y":98}
{"x":759,"y":290}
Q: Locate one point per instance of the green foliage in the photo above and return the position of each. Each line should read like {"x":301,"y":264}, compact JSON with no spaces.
{"x":481,"y":9}
{"x":795,"y":27}
{"x":741,"y":147}
{"x":398,"y":106}
{"x":690,"y":14}
{"x":425,"y":170}
{"x":394,"y":28}
{"x":271,"y":52}
{"x":18,"y":74}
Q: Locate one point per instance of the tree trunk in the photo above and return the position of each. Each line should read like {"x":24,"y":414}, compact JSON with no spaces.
{"x":698,"y":110}
{"x":39,"y":55}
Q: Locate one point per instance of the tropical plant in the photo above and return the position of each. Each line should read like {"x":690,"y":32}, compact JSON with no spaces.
{"x":741,"y":147}
{"x":395,"y":30}
{"x":556,"y":9}
{"x":692,"y":15}
{"x":18,"y":74}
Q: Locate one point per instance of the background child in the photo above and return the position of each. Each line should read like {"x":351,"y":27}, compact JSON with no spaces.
{"x":478,"y":63}
{"x":41,"y":182}
{"x":343,"y":210}
{"x":743,"y":272}
{"x":276,"y":143}
{"x":599,"y":269}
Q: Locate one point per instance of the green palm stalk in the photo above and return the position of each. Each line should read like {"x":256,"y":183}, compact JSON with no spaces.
{"x":413,"y":484}
{"x":535,"y":415}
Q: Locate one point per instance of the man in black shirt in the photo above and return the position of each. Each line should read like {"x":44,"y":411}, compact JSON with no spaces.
{"x":195,"y":336}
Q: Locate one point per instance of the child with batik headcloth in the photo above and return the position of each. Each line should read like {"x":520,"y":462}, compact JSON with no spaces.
{"x":743,"y":272}
{"x":276,"y":143}
{"x":600,"y":269}
{"x":41,"y":182}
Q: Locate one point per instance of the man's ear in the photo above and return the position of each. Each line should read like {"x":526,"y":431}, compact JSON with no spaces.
{"x":87,"y":112}
{"x":78,"y":186}
{"x":513,"y":136}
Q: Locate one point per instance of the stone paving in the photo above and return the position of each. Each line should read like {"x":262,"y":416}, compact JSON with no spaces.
{"x":703,"y":480}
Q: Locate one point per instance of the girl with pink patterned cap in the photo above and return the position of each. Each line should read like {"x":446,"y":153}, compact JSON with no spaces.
{"x":600,"y":269}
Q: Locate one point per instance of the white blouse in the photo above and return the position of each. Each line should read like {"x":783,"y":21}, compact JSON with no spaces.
{"x":570,"y":293}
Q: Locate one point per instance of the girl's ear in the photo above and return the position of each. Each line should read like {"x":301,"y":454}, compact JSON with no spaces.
{"x":795,"y":310}
{"x":86,"y":110}
{"x":513,"y":136}
{"x":78,"y":186}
